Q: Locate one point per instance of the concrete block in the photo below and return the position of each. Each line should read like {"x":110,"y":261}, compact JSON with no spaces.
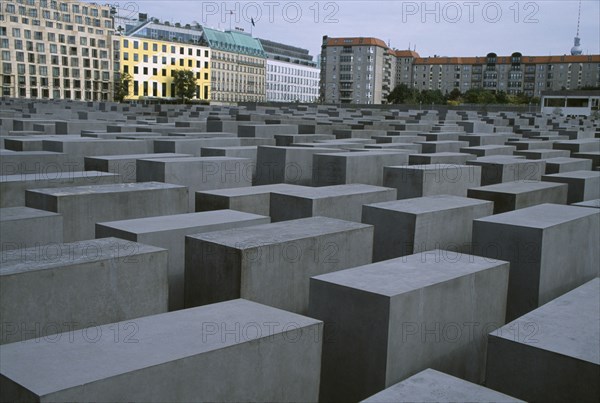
{"x":235,"y":152}
{"x":590,"y":203}
{"x":266,"y":131}
{"x":86,"y":146}
{"x":552,"y":353}
{"x":43,"y":162}
{"x":83,"y":206}
{"x":340,"y":201}
{"x":434,"y":386}
{"x":24,"y":227}
{"x":536,"y":154}
{"x":390,"y":320}
{"x":448,"y":146}
{"x":594,"y":156}
{"x":251,"y":199}
{"x":483,"y":139}
{"x":72,"y":286}
{"x":500,"y":169}
{"x":13,"y":187}
{"x":285,"y":140}
{"x":578,"y":146}
{"x":489,"y":150}
{"x":123,"y":165}
{"x":434,"y":179}
{"x":169,"y":232}
{"x":551,"y":248}
{"x":583,"y":185}
{"x":405,"y":227}
{"x":530,"y":144}
{"x":292,"y":165}
{"x":354,"y":167}
{"x":193,"y":145}
{"x":270,"y":355}
{"x":511,"y":196}
{"x":271,"y":263}
{"x":562,"y":165}
{"x":440,"y":158}
{"x":197,"y":173}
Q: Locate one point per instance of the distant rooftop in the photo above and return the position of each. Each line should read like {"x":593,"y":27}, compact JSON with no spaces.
{"x":287,"y":53}
{"x":353,"y":41}
{"x":508,"y":59}
{"x":234,"y":41}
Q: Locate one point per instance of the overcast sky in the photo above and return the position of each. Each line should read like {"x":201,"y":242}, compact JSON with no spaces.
{"x":447,"y":28}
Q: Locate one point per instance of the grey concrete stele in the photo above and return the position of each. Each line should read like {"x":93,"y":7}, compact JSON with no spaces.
{"x":292,"y":165}
{"x":429,"y":180}
{"x":13,"y":187}
{"x":364,"y":167}
{"x":551,"y":354}
{"x":250,"y":199}
{"x":434,"y":386}
{"x":511,"y":196}
{"x":551,"y":248}
{"x":583,"y":185}
{"x":232,"y":351}
{"x":197,"y":173}
{"x":341,"y":201}
{"x":498,"y":169}
{"x":123,"y":165}
{"x":76,"y":285}
{"x":169,"y":232}
{"x":272,"y":263}
{"x":24,"y":227}
{"x":405,"y":227}
{"x":84,"y":206}
{"x":389,"y":320}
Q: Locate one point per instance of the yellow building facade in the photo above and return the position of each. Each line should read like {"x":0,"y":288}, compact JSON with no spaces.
{"x":151,"y":63}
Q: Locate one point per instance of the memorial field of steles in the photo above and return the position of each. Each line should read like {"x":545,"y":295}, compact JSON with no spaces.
{"x":297,"y":253}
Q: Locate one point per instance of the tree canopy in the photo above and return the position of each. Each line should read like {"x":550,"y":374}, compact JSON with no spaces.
{"x":403,"y":94}
{"x":185,"y":84}
{"x":121,"y":89}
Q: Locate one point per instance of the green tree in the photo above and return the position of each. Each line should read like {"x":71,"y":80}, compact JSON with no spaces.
{"x":501,"y":97}
{"x":122,"y":87}
{"x":454,"y":95}
{"x":185,"y":84}
{"x":431,"y":97}
{"x":402,"y":94}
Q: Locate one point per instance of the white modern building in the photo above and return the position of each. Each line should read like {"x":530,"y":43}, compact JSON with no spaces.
{"x":292,"y":75}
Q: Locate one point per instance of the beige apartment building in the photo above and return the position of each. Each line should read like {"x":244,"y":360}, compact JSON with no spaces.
{"x":56,"y":50}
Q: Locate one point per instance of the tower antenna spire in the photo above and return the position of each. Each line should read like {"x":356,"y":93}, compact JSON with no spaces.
{"x":578,"y":18}
{"x":576,"y":49}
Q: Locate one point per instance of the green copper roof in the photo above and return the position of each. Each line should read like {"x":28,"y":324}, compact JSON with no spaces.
{"x":232,"y":41}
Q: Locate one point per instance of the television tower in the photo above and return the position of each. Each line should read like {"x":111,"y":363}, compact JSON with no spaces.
{"x":576,"y":49}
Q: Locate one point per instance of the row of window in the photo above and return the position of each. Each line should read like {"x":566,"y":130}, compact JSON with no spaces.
{"x":59,"y":25}
{"x":146,"y":71}
{"x":165,"y":61}
{"x":53,"y":37}
{"x":57,"y":94}
{"x":152,"y":89}
{"x":91,"y":9}
{"x":293,"y":71}
{"x":55,"y":16}
{"x":173,"y":49}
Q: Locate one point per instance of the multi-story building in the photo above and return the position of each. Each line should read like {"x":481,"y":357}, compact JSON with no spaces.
{"x":238,"y":66}
{"x":356,"y":70}
{"x":292,"y":75}
{"x":512,"y":74}
{"x":365,"y":70}
{"x":151,"y":52}
{"x":56,"y":50}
